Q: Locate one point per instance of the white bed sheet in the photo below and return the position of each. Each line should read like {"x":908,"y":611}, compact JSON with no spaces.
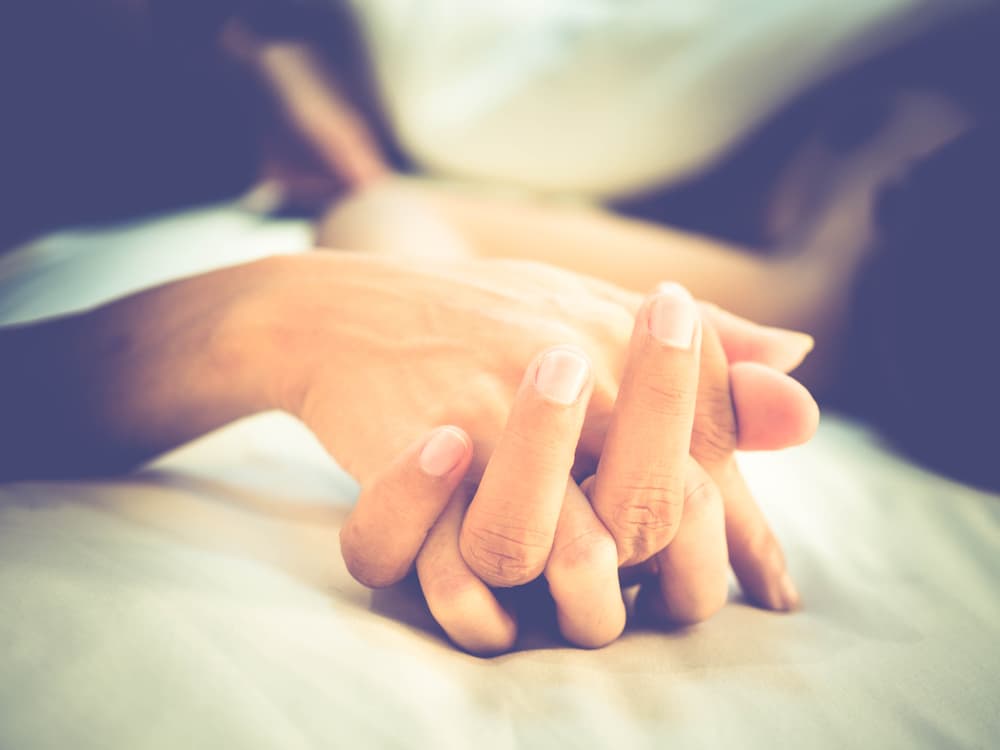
{"x":202,"y":603}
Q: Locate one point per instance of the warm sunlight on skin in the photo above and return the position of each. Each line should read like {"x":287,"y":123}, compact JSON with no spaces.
{"x":373,"y":352}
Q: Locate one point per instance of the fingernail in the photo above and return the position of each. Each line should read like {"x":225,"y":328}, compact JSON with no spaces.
{"x":561,"y":376}
{"x":443,"y":452}
{"x":673,"y":316}
{"x":789,"y":594}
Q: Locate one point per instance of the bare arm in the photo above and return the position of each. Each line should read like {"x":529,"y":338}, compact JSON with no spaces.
{"x":102,"y":391}
{"x":587,"y":239}
{"x":422,"y":217}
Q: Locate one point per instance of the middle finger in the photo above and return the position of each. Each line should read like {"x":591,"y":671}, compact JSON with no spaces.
{"x":639,"y":489}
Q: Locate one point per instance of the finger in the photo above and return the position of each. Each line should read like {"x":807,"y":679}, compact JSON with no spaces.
{"x":459,"y":601}
{"x":582,"y":573}
{"x":715,"y":434}
{"x":509,"y":527}
{"x":384,"y":532}
{"x":694,"y":568}
{"x":746,"y":341}
{"x":773,"y":411}
{"x":638,"y":492}
{"x":746,"y":406}
{"x":755,"y":554}
{"x":630,"y":575}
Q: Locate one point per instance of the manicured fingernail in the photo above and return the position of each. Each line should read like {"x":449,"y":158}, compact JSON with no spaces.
{"x":561,"y":376}
{"x":673,"y":316}
{"x":789,"y":594}
{"x":443,"y":452}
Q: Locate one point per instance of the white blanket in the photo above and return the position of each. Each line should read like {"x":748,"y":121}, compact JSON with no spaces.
{"x":202,"y":603}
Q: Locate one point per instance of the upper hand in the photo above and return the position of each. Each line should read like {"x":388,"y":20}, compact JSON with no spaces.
{"x":524,"y":500}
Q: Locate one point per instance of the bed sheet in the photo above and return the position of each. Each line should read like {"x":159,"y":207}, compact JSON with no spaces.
{"x":202,"y":602}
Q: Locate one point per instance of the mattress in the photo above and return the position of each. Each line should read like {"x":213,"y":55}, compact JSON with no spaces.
{"x":201,"y":602}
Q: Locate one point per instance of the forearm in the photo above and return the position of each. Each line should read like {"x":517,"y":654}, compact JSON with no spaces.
{"x":630,"y":253}
{"x":414,"y":217}
{"x":104,"y":390}
{"x":789,"y":292}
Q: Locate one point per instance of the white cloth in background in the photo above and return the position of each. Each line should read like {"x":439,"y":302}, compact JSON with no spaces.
{"x":202,"y":603}
{"x":600,"y":97}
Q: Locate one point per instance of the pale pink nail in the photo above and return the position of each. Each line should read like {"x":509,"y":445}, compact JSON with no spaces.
{"x":443,"y":452}
{"x":561,"y":376}
{"x":673,"y":316}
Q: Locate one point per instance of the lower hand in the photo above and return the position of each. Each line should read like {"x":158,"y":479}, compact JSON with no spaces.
{"x":528,"y":498}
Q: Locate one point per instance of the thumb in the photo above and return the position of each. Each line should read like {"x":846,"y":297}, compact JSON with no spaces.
{"x":773,"y":411}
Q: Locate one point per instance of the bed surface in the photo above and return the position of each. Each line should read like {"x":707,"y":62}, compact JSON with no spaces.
{"x":202,"y":602}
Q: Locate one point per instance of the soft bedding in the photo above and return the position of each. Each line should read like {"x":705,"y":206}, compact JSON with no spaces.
{"x":201,"y":602}
{"x":603,"y":98}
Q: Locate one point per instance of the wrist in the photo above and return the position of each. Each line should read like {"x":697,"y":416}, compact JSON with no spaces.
{"x":290,"y":323}
{"x":169,"y":364}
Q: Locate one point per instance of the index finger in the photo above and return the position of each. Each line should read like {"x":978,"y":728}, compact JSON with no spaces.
{"x":383,"y":534}
{"x":510,"y":525}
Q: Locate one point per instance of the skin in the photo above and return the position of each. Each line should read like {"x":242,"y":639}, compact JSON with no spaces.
{"x":328,"y":339}
{"x":370,"y":353}
{"x":813,"y":270}
{"x":685,"y":575}
{"x":394,"y":225}
{"x":391,"y":216}
{"x":319,"y":143}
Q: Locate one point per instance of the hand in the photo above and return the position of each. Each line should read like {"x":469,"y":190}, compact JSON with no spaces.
{"x":371,"y":354}
{"x":531,"y":463}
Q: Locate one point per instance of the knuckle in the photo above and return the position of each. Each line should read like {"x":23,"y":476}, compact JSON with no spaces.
{"x":504,"y":555}
{"x":592,"y":550}
{"x":525,"y":439}
{"x":660,"y":398}
{"x":612,"y":324}
{"x":715,"y":434}
{"x":491,"y":405}
{"x":559,"y":333}
{"x":363,"y":565}
{"x":450,"y":589}
{"x":712,"y":442}
{"x":701,"y":493}
{"x":647,"y":513}
{"x":461,"y":605}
